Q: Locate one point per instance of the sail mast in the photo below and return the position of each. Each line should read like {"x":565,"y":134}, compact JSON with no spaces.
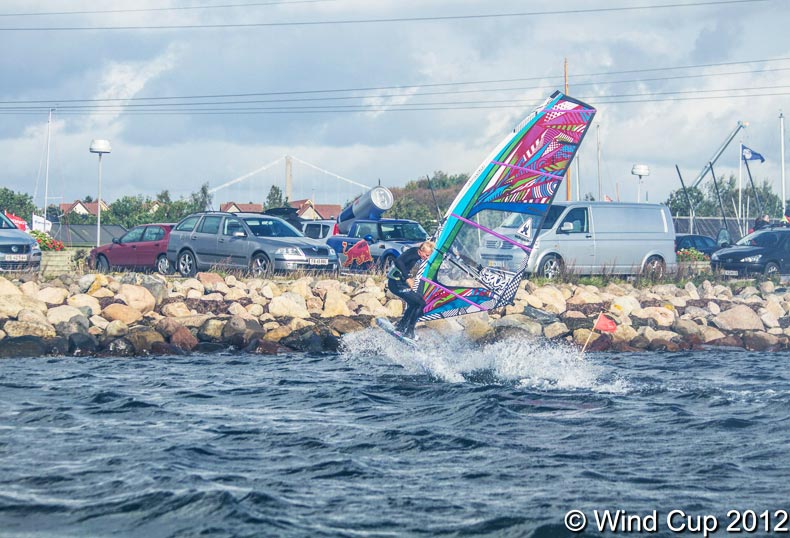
{"x":46,"y":174}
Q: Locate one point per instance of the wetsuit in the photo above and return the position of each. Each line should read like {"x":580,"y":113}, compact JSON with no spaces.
{"x":397,"y":285}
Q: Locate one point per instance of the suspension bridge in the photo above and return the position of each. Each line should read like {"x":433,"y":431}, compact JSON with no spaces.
{"x":296,"y":178}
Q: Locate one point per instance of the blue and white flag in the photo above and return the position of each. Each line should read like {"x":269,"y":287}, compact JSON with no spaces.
{"x":749,"y":155}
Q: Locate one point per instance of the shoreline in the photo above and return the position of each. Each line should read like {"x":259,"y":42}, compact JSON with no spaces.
{"x":136,"y":314}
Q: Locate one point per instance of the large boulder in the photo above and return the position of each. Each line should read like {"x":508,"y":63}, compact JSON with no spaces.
{"x":738,"y":318}
{"x":26,"y":328}
{"x":335,"y":304}
{"x":52,"y":295}
{"x":143,"y":339}
{"x":23,"y":346}
{"x":155,"y":284}
{"x":552,"y":299}
{"x":8,"y":288}
{"x":84,"y":300}
{"x":177,"y":309}
{"x":137,"y":297}
{"x":63,"y":314}
{"x":11,"y":304}
{"x":121,"y":312}
{"x":288,"y":305}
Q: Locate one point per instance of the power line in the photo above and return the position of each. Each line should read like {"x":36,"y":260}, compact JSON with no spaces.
{"x":125,"y":108}
{"x":597,"y":99}
{"x":378,"y":21}
{"x":155,"y":9}
{"x":49,"y":102}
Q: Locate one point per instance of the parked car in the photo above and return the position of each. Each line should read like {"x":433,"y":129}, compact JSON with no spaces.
{"x":19,"y":251}
{"x":765,"y":251}
{"x":143,"y":247}
{"x":252,"y":242}
{"x":319,"y":229}
{"x":375,"y":243}
{"x":586,"y":238}
{"x":701,"y":243}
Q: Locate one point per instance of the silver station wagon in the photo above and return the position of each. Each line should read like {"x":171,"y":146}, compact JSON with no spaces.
{"x":251,"y":242}
{"x":19,"y":251}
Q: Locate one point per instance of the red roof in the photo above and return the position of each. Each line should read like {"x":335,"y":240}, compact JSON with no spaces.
{"x":243,"y":208}
{"x":325,"y":211}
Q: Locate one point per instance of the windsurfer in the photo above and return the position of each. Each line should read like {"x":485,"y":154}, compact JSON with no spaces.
{"x":401,"y":284}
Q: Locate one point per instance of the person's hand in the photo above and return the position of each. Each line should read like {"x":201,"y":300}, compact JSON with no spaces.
{"x":410,"y":282}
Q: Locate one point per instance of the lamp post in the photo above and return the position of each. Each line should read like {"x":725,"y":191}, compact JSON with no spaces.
{"x":100,"y":147}
{"x":641,"y":170}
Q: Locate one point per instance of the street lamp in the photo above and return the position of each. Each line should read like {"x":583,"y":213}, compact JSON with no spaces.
{"x":641,"y":170}
{"x":100,"y":147}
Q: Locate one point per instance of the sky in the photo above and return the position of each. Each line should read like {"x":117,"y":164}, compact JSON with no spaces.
{"x":378,"y":91}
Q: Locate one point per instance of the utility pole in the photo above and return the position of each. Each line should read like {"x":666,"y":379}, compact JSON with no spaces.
{"x":288,"y":177}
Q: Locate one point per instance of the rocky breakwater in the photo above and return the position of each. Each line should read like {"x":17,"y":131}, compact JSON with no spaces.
{"x":138,"y":314}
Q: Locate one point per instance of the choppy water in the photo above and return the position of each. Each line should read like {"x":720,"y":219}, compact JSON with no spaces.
{"x":380,"y":441}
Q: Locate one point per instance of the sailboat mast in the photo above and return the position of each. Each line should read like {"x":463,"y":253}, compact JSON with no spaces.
{"x":46,"y":174}
{"x":782,"y":157}
{"x":568,"y":173}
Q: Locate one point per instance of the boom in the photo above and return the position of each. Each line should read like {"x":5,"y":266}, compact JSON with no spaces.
{"x":718,"y":153}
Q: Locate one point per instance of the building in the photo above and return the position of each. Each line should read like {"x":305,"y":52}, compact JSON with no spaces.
{"x":83,"y":208}
{"x":308,"y":210}
{"x":233,"y":207}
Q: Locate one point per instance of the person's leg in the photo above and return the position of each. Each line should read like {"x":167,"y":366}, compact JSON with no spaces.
{"x":416,"y":304}
{"x":403,"y":294}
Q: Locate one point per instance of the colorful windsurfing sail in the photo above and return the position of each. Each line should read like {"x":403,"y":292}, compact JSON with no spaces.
{"x":502,"y":205}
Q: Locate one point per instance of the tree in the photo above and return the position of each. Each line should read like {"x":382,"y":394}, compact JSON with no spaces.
{"x":275,"y":198}
{"x":18,"y":203}
{"x":201,"y":200}
{"x":678,"y":204}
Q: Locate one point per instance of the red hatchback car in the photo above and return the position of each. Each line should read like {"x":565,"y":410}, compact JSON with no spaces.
{"x":142,"y":247}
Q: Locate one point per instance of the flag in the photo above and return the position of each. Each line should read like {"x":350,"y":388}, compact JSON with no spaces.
{"x":749,"y":155}
{"x":606,"y":198}
{"x":605,"y":324}
{"x":19,"y":222}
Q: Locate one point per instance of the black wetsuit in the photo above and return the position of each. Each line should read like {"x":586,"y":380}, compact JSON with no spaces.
{"x":397,"y":285}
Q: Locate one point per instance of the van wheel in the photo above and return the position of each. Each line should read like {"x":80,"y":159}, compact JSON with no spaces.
{"x":771,"y":269}
{"x":186,"y":264}
{"x":655,"y":267}
{"x":550,"y":267}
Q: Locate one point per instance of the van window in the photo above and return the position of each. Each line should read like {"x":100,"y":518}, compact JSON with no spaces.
{"x":313,"y":231}
{"x":578,"y":219}
{"x":646,"y":219}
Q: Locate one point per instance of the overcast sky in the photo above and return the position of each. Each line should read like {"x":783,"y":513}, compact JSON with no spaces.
{"x":419,"y":86}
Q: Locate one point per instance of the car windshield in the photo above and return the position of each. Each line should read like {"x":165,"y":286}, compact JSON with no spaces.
{"x":762,"y":238}
{"x":5,"y":223}
{"x":263,"y":227}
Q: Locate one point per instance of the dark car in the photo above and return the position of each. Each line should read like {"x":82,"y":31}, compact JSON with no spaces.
{"x":765,"y":251}
{"x":143,"y":247}
{"x":252,"y":242}
{"x":701,"y":243}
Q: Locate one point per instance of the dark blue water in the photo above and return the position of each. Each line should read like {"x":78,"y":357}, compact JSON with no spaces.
{"x":376,"y":441}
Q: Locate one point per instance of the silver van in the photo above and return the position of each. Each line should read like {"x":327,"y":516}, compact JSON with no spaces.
{"x":588,"y":238}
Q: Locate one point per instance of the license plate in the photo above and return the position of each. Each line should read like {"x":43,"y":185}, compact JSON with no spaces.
{"x":494,"y":263}
{"x":729,"y":272}
{"x":15,"y":257}
{"x":318,"y":261}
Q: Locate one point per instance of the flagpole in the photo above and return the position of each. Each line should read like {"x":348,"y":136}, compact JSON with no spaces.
{"x":592,"y":331}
